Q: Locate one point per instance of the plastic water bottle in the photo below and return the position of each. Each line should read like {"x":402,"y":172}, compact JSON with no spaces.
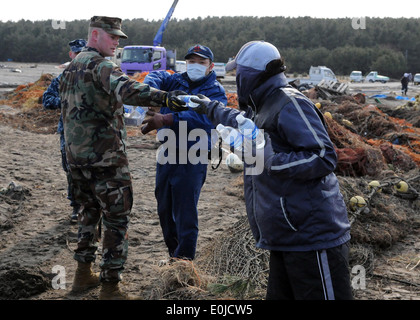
{"x":230,"y":136}
{"x":142,"y":111}
{"x":134,"y":117}
{"x":128,"y":109}
{"x":187,"y":100}
{"x":250,"y":131}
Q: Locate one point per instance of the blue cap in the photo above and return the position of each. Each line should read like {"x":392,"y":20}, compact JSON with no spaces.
{"x":201,"y":51}
{"x":77,"y":45}
{"x":254,"y":54}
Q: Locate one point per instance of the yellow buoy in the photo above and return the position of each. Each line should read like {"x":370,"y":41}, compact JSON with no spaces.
{"x":357,"y":201}
{"x":328,"y":115}
{"x":318,"y":105}
{"x":374,"y":185}
{"x":347,"y":122}
{"x":401,"y":186}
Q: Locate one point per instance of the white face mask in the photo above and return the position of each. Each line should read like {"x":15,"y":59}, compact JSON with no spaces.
{"x":196,"y":71}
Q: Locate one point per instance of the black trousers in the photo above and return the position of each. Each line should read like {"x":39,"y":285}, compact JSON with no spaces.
{"x":311,"y":275}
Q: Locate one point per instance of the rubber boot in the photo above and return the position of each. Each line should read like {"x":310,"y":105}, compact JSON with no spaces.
{"x":112,"y":291}
{"x":84,"y":277}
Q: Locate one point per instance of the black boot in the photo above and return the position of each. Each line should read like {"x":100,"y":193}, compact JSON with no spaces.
{"x":74,"y":214}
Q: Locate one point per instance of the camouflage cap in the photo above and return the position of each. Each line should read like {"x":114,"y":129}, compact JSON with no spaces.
{"x":110,"y":25}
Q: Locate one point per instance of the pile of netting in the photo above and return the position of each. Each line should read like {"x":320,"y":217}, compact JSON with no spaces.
{"x":29,"y":96}
{"x":233,"y":255}
{"x":28,"y":112}
{"x":365,"y":138}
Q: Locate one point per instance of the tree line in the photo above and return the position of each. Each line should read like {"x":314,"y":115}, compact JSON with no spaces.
{"x":388,"y":45}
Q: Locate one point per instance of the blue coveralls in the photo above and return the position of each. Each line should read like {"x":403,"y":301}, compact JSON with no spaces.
{"x":178,"y":186}
{"x":51,"y":100}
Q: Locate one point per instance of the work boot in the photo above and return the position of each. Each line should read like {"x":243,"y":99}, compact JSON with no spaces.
{"x":84,"y":277}
{"x":112,"y":291}
{"x":74,"y":214}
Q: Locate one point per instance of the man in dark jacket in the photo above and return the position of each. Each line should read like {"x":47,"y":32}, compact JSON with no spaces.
{"x":179,"y":183}
{"x":404,"y":83}
{"x":295,"y":208}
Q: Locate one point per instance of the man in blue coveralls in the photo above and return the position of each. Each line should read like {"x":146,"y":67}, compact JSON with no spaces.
{"x":178,"y":185}
{"x":51,"y":100}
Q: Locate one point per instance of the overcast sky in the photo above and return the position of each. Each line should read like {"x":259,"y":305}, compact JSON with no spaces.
{"x":157,"y":9}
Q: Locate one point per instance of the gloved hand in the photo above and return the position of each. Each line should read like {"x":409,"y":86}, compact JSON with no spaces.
{"x":156,"y":121}
{"x":203,"y":102}
{"x":171,"y":101}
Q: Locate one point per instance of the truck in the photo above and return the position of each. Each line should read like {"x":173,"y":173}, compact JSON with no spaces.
{"x":316,"y":75}
{"x":140,"y":58}
{"x":116,"y":58}
{"x":181,"y":66}
{"x":356,"y":76}
{"x":373,"y":76}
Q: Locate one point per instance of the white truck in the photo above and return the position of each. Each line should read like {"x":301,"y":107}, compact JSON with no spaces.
{"x":373,"y":76}
{"x":180,"y":66}
{"x":316,"y":75}
{"x":219,"y":68}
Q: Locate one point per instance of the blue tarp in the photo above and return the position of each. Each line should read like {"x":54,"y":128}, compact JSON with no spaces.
{"x":405,"y":98}
{"x":383,"y":96}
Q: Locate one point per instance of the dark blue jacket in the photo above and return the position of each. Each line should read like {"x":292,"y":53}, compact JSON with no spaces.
{"x":208,"y":86}
{"x":295,"y":204}
{"x":51,"y":100}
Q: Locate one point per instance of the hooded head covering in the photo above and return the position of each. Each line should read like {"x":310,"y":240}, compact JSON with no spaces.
{"x":250,"y":64}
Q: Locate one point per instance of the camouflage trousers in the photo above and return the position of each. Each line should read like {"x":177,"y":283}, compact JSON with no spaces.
{"x":104,"y":192}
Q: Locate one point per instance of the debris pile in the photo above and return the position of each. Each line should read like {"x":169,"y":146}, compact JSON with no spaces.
{"x":29,"y":96}
{"x":330,"y":89}
{"x":357,"y":129}
{"x":27,"y":101}
{"x":408,"y":111}
{"x":234,"y":254}
{"x":179,"y":279}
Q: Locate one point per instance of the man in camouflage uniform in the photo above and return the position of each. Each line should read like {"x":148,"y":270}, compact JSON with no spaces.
{"x":92,"y":91}
{"x":51,"y":100}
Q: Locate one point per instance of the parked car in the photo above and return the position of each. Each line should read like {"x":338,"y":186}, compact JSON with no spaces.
{"x":356,"y":76}
{"x":180,"y":66}
{"x":219,"y":68}
{"x":416,"y":79}
{"x":373,"y":76}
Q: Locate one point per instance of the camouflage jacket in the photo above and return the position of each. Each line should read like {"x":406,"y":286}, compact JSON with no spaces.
{"x":92,"y":91}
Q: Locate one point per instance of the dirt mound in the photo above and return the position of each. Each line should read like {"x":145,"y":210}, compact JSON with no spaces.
{"x":21,"y":283}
